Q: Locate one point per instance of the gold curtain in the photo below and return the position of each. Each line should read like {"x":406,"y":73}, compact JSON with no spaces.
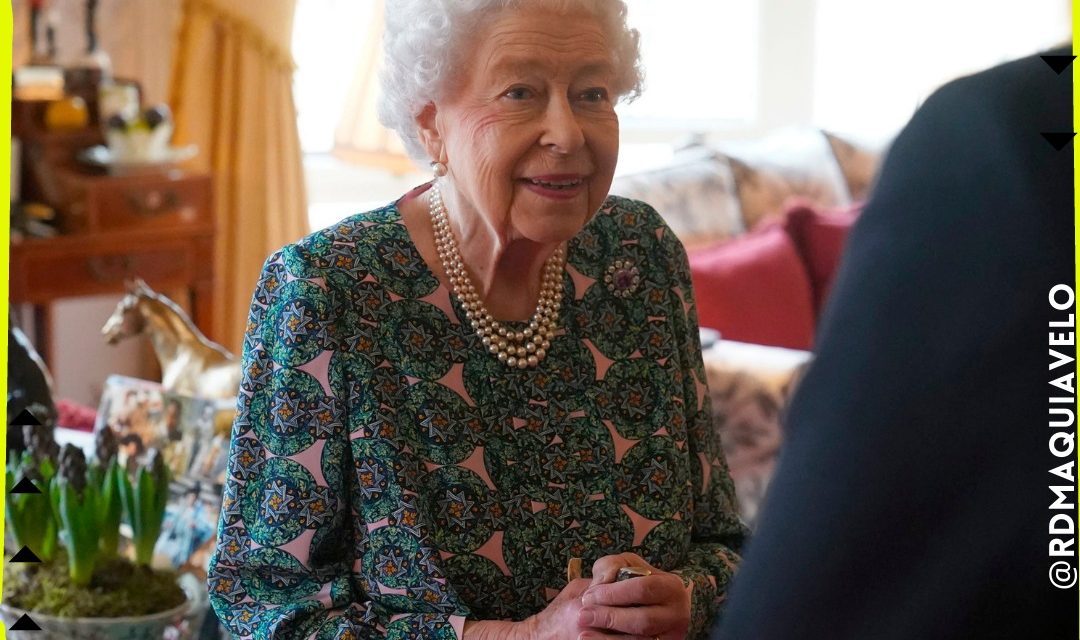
{"x":232,"y":96}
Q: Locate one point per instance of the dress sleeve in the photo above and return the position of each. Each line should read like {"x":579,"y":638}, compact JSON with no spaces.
{"x":290,"y":550}
{"x":718,"y":533}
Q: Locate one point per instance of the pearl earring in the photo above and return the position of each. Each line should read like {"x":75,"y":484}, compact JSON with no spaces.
{"x":439,"y":169}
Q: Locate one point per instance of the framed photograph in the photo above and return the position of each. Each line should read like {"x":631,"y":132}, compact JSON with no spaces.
{"x":212,"y":455}
{"x":133,"y":409}
{"x":191,"y":433}
{"x":189,"y":527}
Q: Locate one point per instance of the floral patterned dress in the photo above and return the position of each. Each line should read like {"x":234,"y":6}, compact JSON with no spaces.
{"x":388,"y":477}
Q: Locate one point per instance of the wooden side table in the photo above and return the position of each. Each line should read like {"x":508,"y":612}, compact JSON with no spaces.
{"x":157,"y":226}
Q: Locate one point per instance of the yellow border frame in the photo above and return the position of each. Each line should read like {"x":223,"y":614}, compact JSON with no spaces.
{"x":5,"y":196}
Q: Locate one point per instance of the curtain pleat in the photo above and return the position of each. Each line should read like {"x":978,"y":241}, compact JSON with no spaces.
{"x":232,"y":93}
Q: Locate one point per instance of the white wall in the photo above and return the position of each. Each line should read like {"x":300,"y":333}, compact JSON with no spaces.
{"x":80,"y":358}
{"x":786,"y":80}
{"x":877,"y":61}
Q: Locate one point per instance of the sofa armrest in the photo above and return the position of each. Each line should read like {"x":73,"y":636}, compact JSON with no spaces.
{"x":749,"y":386}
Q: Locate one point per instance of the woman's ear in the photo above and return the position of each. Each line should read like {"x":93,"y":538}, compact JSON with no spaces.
{"x":427,"y":127}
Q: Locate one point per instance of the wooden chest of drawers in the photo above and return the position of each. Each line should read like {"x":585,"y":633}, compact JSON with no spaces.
{"x":125,"y":203}
{"x":82,"y":265}
{"x":158,"y":227}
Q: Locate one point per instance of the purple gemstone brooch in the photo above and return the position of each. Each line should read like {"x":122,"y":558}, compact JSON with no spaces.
{"x":622,"y":278}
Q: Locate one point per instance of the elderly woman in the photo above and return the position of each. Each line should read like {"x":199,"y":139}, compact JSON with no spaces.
{"x":448,"y":398}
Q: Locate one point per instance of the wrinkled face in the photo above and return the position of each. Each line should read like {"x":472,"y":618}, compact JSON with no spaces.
{"x":528,"y":130}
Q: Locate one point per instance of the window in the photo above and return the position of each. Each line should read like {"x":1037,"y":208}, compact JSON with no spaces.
{"x":328,"y":40}
{"x":701,"y":64}
{"x":877,"y":60}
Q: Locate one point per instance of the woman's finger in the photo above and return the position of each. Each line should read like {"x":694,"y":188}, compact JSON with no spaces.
{"x":643,"y":621}
{"x":606,"y":568}
{"x":655,"y":589}
{"x":596,"y":634}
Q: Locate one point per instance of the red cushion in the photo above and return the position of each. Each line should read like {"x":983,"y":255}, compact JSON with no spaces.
{"x":820,"y":237}
{"x":73,"y":415}
{"x":755,"y":289}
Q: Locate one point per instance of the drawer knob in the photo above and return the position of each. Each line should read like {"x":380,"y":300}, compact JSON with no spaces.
{"x":153,"y":202}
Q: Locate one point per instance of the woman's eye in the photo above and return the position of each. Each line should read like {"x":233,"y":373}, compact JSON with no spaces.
{"x":594,"y":95}
{"x":518,"y":93}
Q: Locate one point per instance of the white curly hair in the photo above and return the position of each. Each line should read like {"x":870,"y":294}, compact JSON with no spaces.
{"x":425,"y":40}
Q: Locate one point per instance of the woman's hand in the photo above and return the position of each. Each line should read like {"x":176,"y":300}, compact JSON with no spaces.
{"x":558,"y":621}
{"x":652,"y":606}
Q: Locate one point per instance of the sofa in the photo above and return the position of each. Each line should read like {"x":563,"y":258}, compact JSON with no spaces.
{"x":764,"y":223}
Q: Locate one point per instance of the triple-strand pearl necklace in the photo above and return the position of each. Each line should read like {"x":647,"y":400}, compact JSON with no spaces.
{"x":521,"y":349}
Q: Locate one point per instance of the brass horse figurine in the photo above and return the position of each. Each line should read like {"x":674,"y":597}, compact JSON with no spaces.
{"x":190,"y":363}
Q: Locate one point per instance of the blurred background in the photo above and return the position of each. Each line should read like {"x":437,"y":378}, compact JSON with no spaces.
{"x":278,"y":98}
{"x":162,"y":149}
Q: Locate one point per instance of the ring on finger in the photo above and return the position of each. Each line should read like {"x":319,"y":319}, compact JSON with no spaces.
{"x":626,"y":573}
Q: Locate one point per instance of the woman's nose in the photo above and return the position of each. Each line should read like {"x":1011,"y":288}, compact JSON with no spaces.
{"x":562,"y":131}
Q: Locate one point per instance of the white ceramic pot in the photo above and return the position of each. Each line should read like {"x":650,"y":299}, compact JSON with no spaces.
{"x":178,"y":623}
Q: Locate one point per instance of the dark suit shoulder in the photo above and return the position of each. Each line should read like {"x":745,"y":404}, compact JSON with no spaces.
{"x":1023,"y":91}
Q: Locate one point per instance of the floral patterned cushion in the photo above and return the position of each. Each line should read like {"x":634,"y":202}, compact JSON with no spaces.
{"x":792,"y":162}
{"x":859,"y":164}
{"x":749,"y":387}
{"x":696,"y":197}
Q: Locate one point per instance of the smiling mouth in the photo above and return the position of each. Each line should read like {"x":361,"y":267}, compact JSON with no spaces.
{"x":557,"y":185}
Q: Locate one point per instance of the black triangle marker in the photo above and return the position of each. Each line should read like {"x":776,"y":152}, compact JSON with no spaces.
{"x":25,"y":555}
{"x":26,"y":485}
{"x":1058,"y":140}
{"x":24,"y":418}
{"x":1058,"y":63}
{"x":25,"y":623}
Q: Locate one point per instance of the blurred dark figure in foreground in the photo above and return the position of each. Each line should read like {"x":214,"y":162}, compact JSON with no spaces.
{"x":29,"y":388}
{"x":912,"y":498}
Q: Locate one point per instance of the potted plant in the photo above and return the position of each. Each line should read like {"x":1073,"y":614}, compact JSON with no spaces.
{"x":84,"y":588}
